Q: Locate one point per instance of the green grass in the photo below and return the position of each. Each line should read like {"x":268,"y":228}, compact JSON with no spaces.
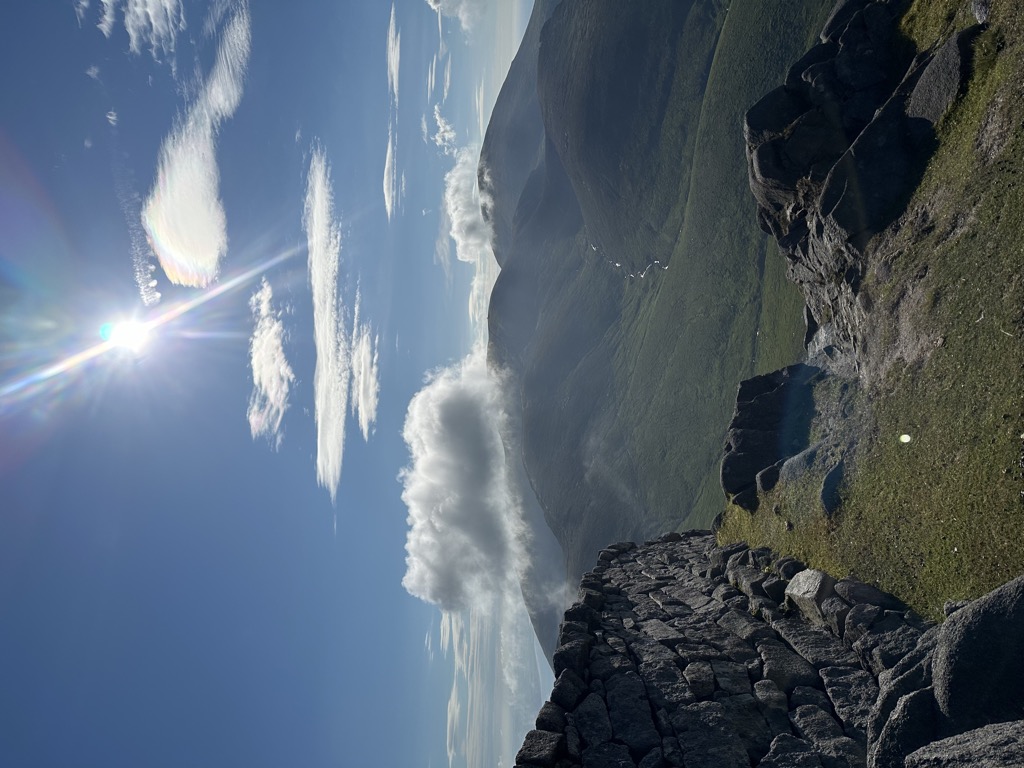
{"x":940,"y":517}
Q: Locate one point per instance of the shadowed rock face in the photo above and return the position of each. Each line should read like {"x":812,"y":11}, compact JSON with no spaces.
{"x":835,"y":152}
{"x":675,"y":655}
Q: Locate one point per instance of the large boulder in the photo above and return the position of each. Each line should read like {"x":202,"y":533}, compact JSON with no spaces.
{"x":978,"y":667}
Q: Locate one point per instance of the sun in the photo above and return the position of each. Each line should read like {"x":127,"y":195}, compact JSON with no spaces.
{"x":130,"y":335}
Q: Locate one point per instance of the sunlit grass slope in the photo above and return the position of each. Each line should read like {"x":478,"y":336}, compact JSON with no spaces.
{"x":938,"y":517}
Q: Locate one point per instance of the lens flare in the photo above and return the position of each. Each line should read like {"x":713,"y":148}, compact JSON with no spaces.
{"x":126,"y":334}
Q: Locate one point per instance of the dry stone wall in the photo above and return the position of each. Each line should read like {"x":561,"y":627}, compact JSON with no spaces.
{"x":685,"y":654}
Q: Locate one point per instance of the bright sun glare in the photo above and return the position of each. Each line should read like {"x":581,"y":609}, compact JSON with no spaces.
{"x":126,"y":334}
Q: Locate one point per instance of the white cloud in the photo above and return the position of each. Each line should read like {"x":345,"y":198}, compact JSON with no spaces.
{"x":431,"y":77}
{"x":365,"y":374}
{"x":93,"y":72}
{"x":445,"y":136}
{"x":183,"y":215}
{"x":447,"y":79}
{"x":331,"y":376}
{"x":81,"y":6}
{"x":466,"y":11}
{"x":152,"y":24}
{"x":108,"y":17}
{"x":394,"y":52}
{"x":390,"y":184}
{"x":272,"y":376}
{"x":465,"y":540}
{"x":112,"y":118}
{"x":467,"y":228}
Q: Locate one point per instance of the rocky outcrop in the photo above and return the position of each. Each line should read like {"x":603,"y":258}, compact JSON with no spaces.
{"x":835,"y":152}
{"x":682,"y":653}
{"x":768,"y":427}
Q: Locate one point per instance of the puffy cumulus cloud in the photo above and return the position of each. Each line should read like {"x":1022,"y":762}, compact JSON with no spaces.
{"x":394,"y":54}
{"x":150,"y":24}
{"x":331,"y":375}
{"x":465,"y":541}
{"x":183,"y":215}
{"x":272,"y":376}
{"x":466,"y":11}
{"x":365,"y":374}
{"x":469,"y":231}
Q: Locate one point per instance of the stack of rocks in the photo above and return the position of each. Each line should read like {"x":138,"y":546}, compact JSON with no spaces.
{"x":835,"y":152}
{"x":681,"y":653}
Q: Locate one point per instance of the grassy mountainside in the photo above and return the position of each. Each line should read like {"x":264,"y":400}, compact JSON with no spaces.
{"x":936,"y":516}
{"x":627,"y":382}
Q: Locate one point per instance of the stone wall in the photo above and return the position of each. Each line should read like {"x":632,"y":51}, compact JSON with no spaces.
{"x":681,"y":653}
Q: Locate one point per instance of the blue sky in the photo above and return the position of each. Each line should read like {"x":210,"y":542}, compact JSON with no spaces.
{"x":231,"y":543}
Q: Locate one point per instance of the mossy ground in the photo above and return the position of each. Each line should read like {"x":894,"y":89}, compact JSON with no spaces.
{"x":939,"y":517}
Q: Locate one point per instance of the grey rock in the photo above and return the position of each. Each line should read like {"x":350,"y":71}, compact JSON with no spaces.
{"x":993,"y":746}
{"x":672,"y":752}
{"x":745,"y":715}
{"x":806,"y":592}
{"x":785,"y":668}
{"x":573,"y":742}
{"x":942,"y":79}
{"x":541,"y":748}
{"x":775,"y":588}
{"x":591,"y":720}
{"x":803,"y":694}
{"x":815,"y":724}
{"x":701,"y":678}
{"x":653,"y":759}
{"x":708,"y":738}
{"x":748,"y":580}
{"x":773,"y":705}
{"x":607,"y":756}
{"x":551,"y":718}
{"x":787,"y":568}
{"x":660,"y":631}
{"x":787,"y":751}
{"x":978,"y":669}
{"x":666,"y":686}
{"x":857,"y":592}
{"x":834,"y":611}
{"x":745,"y":626}
{"x":859,"y":621}
{"x":814,"y":644}
{"x":568,"y":690}
{"x":606,"y":667}
{"x":574,"y":655}
{"x":630,"y":714}
{"x":731,"y":677}
{"x":911,"y":725}
{"x":650,"y":650}
{"x":853,"y":693}
{"x":829,"y":494}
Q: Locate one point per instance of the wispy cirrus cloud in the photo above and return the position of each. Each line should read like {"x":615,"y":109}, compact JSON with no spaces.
{"x":394,"y":56}
{"x":333,"y":364}
{"x":183,"y":215}
{"x":394,"y":183}
{"x":365,"y":374}
{"x":150,"y":24}
{"x":272,"y":376}
{"x":390,"y":184}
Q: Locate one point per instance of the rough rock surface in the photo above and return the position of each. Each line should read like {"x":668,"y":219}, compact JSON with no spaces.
{"x":770,"y":425}
{"x":674,"y":655}
{"x":835,"y":151}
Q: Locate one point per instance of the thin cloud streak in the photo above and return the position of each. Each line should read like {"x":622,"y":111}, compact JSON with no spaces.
{"x":331,"y":375}
{"x":184,"y":215}
{"x":390,"y":184}
{"x":272,"y":376}
{"x":466,"y":11}
{"x":394,"y":54}
{"x":365,"y":374}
